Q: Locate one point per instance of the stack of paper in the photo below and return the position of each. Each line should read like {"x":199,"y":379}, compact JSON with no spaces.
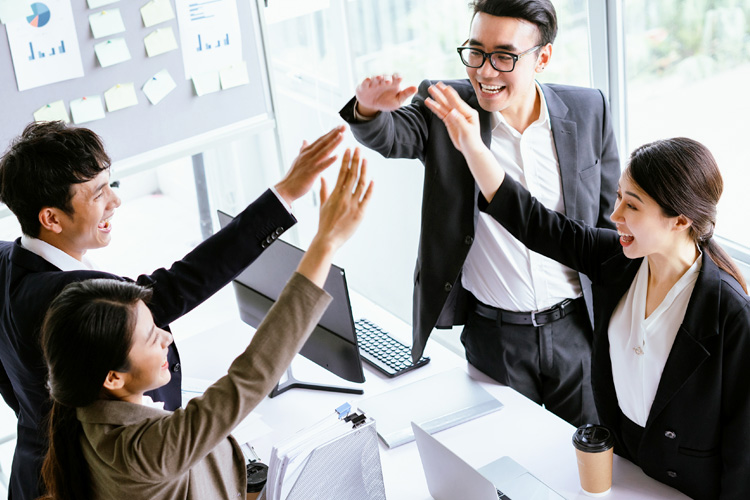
{"x":335,"y":457}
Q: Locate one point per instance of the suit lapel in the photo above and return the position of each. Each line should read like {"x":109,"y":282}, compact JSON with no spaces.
{"x":565,"y":134}
{"x":688,"y":353}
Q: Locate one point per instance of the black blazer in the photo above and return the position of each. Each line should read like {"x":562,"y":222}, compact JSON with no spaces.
{"x":696,"y":438}
{"x":589,"y":167}
{"x":30,"y":284}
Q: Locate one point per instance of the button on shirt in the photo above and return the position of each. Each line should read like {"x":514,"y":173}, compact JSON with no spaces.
{"x":639,"y":346}
{"x":499,"y":270}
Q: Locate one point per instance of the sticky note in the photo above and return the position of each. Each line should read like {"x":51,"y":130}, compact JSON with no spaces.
{"x":157,"y":87}
{"x":87,"y":109}
{"x":105,"y":23}
{"x":52,"y":112}
{"x":206,"y":83}
{"x":112,"y":52}
{"x":234,"y":76}
{"x":160,"y":41}
{"x":13,"y":10}
{"x":156,"y":11}
{"x":120,"y":96}
{"x":95,"y":4}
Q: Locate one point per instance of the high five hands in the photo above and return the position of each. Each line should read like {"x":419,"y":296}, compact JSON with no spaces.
{"x":381,"y":93}
{"x":462,"y":123}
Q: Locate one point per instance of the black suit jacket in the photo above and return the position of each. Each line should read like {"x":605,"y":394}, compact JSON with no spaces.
{"x":696,"y":437}
{"x":589,"y":167}
{"x":30,"y":284}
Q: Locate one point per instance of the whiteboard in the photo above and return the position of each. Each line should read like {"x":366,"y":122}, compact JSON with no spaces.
{"x":181,"y":122}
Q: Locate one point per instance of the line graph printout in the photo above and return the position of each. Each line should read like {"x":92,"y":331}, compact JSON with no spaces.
{"x":44,"y":45}
{"x":209,"y":35}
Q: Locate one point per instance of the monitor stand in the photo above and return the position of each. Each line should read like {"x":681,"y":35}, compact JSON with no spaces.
{"x":293,"y":383}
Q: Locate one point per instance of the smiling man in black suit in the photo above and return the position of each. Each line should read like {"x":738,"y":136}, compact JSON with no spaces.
{"x":55,"y":179}
{"x":525,"y":316}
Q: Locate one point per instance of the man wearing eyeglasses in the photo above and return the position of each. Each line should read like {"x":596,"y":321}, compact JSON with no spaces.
{"x":527,"y":319}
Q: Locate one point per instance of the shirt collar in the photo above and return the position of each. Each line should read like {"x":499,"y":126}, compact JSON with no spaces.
{"x":54,"y":255}
{"x":497,"y":118}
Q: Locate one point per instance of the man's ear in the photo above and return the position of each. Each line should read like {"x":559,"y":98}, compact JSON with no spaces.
{"x":545,"y":55}
{"x":49,"y":218}
{"x":114,"y":381}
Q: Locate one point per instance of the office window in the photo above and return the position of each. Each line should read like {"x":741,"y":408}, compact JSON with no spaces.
{"x":687,"y":64}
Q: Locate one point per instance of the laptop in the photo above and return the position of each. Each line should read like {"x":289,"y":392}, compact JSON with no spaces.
{"x":449,"y":477}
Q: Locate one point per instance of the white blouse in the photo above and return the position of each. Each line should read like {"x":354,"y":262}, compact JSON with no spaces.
{"x":639,"y":346}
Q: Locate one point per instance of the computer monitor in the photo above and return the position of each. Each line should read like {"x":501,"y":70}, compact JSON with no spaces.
{"x":333,"y":342}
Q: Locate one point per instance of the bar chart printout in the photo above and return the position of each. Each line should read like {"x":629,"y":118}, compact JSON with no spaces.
{"x":44,"y":45}
{"x":210,"y":35}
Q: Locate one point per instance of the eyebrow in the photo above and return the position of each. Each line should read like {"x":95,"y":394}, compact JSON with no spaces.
{"x":507,"y":47}
{"x":634,"y":195}
{"x":151,"y":333}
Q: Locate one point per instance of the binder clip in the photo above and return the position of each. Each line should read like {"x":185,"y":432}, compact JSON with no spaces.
{"x":343,"y":410}
{"x":356,"y":419}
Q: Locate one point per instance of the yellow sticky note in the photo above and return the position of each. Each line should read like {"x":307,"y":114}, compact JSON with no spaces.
{"x":106,"y":23}
{"x":112,"y":52}
{"x":52,"y":112}
{"x":87,"y":109}
{"x":156,"y":11}
{"x":158,"y":86}
{"x":206,"y":83}
{"x":160,"y":41}
{"x":234,"y":76}
{"x":13,"y":10}
{"x":120,"y":96}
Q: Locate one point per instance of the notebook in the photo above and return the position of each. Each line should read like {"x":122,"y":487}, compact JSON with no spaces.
{"x":435,"y":403}
{"x":449,"y":477}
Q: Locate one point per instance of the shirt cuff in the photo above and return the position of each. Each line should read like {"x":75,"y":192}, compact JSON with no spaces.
{"x":281,"y":199}
{"x":361,"y":118}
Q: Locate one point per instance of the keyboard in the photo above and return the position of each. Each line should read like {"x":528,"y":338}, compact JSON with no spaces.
{"x":382,"y":351}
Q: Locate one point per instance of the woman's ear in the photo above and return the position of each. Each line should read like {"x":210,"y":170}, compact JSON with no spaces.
{"x":114,"y":381}
{"x":682,"y":223}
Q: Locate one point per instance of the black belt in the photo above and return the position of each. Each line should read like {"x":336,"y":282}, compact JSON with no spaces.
{"x":534,"y":318}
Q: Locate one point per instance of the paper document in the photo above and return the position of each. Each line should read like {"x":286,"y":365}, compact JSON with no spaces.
{"x":209,"y":35}
{"x":52,"y":112}
{"x":160,"y":41}
{"x":87,"y":109}
{"x":44,"y":45}
{"x":111,"y":52}
{"x":105,"y":23}
{"x":13,"y":10}
{"x":435,"y":403}
{"x":156,"y":11}
{"x":120,"y":96}
{"x":158,"y":86}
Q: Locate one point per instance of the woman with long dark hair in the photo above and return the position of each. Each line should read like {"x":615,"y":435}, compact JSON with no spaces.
{"x":671,"y":311}
{"x":104,"y":351}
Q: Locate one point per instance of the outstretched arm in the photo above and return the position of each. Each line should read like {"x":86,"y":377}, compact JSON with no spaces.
{"x":462,"y":122}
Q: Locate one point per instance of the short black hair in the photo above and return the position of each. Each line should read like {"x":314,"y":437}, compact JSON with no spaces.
{"x":42,"y":164}
{"x":539,"y":12}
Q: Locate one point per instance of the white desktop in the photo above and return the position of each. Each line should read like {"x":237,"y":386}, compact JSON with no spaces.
{"x":522,"y":430}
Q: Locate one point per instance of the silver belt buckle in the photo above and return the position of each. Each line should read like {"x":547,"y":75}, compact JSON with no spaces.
{"x":533,"y":320}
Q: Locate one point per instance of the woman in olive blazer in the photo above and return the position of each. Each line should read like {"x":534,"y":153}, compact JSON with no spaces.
{"x":695,"y":436}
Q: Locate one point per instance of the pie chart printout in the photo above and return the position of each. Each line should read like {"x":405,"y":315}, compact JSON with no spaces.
{"x":41,"y":15}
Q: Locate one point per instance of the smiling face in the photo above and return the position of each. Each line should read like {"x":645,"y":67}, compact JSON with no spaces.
{"x":503,"y":91}
{"x":89,"y":226}
{"x":641,"y":223}
{"x":147,"y":359}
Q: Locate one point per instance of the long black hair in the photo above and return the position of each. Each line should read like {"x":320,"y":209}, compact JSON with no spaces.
{"x":86,"y":333}
{"x":682,"y":176}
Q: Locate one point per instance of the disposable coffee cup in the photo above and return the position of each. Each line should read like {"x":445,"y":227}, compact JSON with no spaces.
{"x":593,"y":444}
{"x":257,"y":473}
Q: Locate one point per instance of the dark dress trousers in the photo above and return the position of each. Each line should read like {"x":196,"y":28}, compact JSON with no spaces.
{"x":30,"y":283}
{"x":696,"y":436}
{"x":589,"y":167}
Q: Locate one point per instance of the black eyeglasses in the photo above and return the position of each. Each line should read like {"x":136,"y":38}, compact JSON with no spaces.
{"x":502,"y":61}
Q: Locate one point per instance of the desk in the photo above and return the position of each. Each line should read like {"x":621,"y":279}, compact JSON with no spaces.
{"x":534,"y":437}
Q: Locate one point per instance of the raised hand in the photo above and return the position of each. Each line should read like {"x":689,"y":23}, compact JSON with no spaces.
{"x":312,"y":160}
{"x":341,"y":212}
{"x":381,"y":93}
{"x":461,"y":120}
{"x":462,"y":123}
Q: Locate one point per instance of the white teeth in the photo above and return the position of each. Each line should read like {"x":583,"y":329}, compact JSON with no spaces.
{"x":624,"y":234}
{"x":491,"y":89}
